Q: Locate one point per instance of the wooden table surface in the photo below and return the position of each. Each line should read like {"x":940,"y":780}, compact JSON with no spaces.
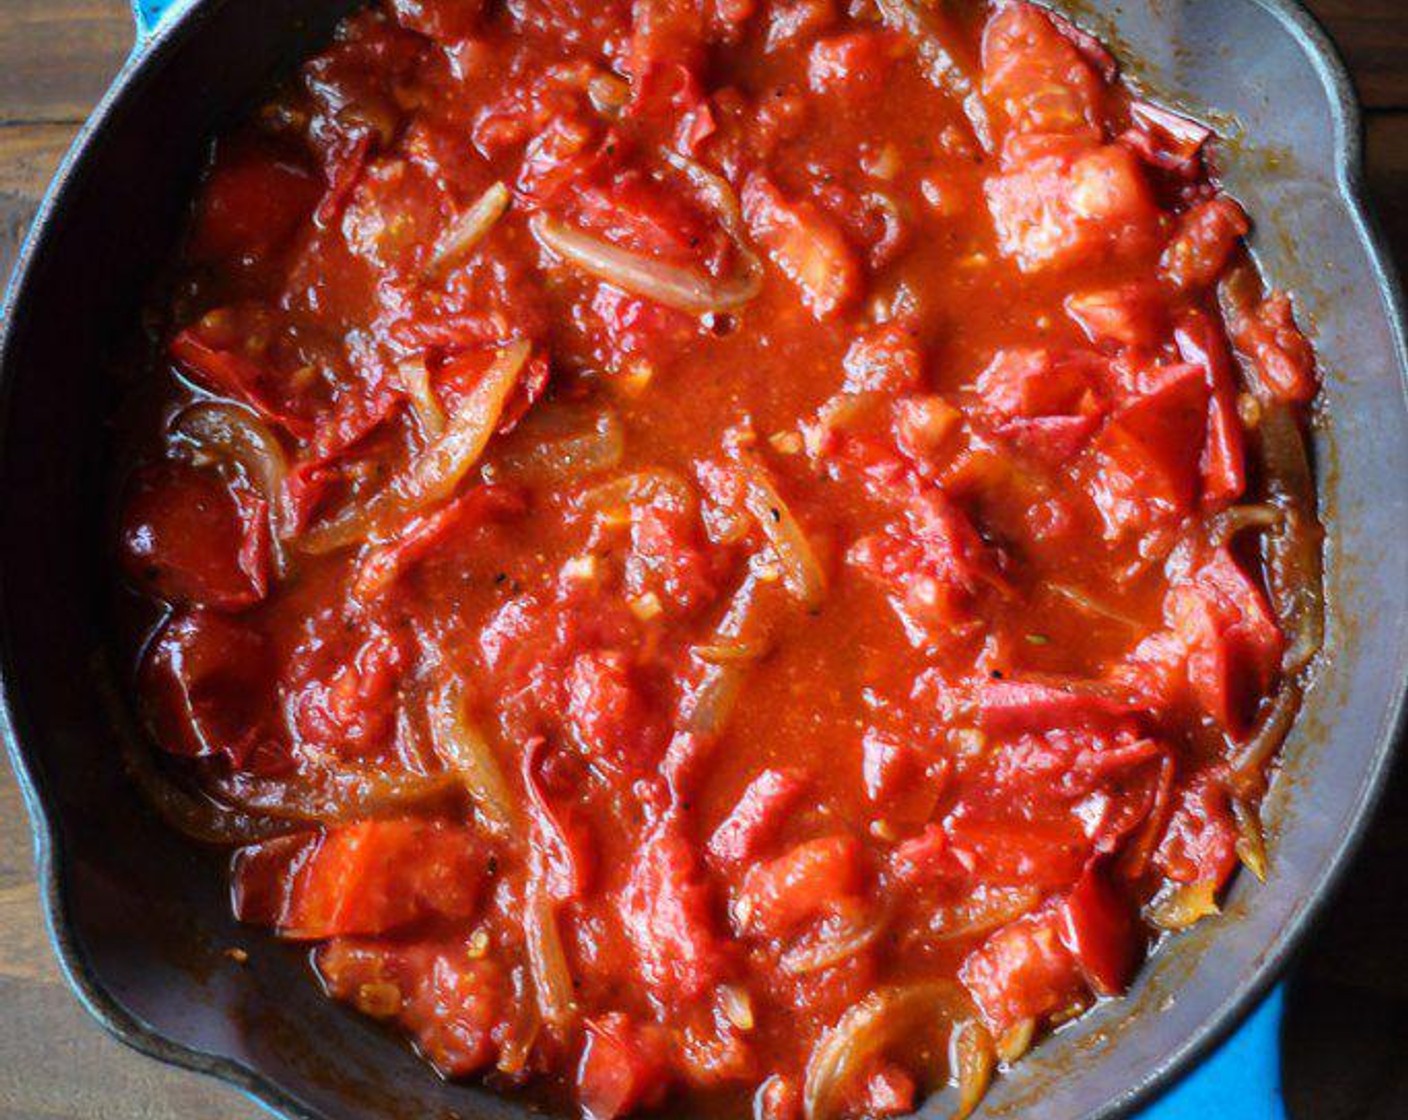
{"x":1347,"y":1036}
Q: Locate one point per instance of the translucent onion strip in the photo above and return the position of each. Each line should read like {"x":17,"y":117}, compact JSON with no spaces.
{"x":547,"y":959}
{"x":749,"y":620}
{"x":468,"y":229}
{"x":469,"y":755}
{"x":802,"y":573}
{"x":673,"y":285}
{"x":837,"y":946}
{"x":722,"y":197}
{"x":1183,"y":905}
{"x":654,"y":485}
{"x":1293,"y":558}
{"x":330,"y":796}
{"x":415,"y":377}
{"x":561,"y":444}
{"x":233,"y":433}
{"x":863,"y":1033}
{"x":433,"y":475}
{"x":971,"y":1057}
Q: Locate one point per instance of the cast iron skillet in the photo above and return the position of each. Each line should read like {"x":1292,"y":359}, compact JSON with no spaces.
{"x":140,"y":918}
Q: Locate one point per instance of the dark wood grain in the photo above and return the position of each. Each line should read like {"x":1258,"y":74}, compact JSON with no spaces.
{"x":1347,"y":1034}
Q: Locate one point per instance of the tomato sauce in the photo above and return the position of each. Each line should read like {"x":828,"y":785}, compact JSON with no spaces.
{"x":753,"y":553}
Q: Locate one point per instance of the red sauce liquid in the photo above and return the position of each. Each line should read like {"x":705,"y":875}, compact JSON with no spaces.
{"x":708,"y":549}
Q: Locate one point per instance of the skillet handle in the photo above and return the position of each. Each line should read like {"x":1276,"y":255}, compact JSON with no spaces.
{"x":1240,"y":1080}
{"x":149,"y":14}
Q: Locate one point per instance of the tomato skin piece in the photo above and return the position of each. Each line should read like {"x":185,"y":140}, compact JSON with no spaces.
{"x":452,"y":1005}
{"x":1149,"y":453}
{"x":808,"y":249}
{"x":1203,"y":245}
{"x":1062,"y":210}
{"x":1011,"y":707}
{"x":1036,"y":78}
{"x":757,"y":815}
{"x":1223,"y":463}
{"x":1280,"y":352}
{"x":366,"y":878}
{"x":207,"y":690}
{"x":186,"y":538}
{"x":622,"y":1069}
{"x":1098,"y":925}
{"x":222,"y":365}
{"x":1023,"y":971}
{"x":1199,"y":844}
{"x":1233,"y":643}
{"x":1131,"y":315}
{"x":423,"y":535}
{"x":665,"y":909}
{"x":251,"y":205}
{"x":849,"y":65}
{"x":814,"y":878}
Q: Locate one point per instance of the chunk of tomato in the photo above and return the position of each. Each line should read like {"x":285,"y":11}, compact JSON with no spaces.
{"x":455,"y":1005}
{"x":1233,"y":644}
{"x":805,"y":245}
{"x":1280,"y":352}
{"x":1066,"y":209}
{"x":1098,"y":925}
{"x":186,"y":538}
{"x":623,"y":1068}
{"x":1036,"y":79}
{"x":1023,"y":971}
{"x":666,"y":911}
{"x":360,"y":879}
{"x":209,"y":690}
{"x":252,"y":203}
{"x":757,"y":816}
{"x":814,"y":878}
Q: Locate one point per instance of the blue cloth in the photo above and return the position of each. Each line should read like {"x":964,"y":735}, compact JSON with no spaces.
{"x":1241,"y":1080}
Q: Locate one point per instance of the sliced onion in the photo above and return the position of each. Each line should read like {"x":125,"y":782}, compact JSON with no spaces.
{"x":1294,"y":563}
{"x":1247,"y":766}
{"x":722,"y":197}
{"x":971,"y":1057}
{"x":751,"y":616}
{"x":547,"y":960}
{"x":802,"y":573}
{"x":834,"y":947}
{"x":234,"y":433}
{"x":468,"y":229}
{"x":434,"y":474}
{"x":192,"y":814}
{"x":415,"y":377}
{"x":331,"y":796}
{"x":922,"y":24}
{"x":985,"y":909}
{"x":673,"y":285}
{"x":1092,"y":605}
{"x":1238,"y":519}
{"x":469,"y":755}
{"x":1251,"y":840}
{"x":561,"y":444}
{"x":1182,"y":906}
{"x":642,"y":488}
{"x":1016,"y":1040}
{"x":882,"y":1018}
